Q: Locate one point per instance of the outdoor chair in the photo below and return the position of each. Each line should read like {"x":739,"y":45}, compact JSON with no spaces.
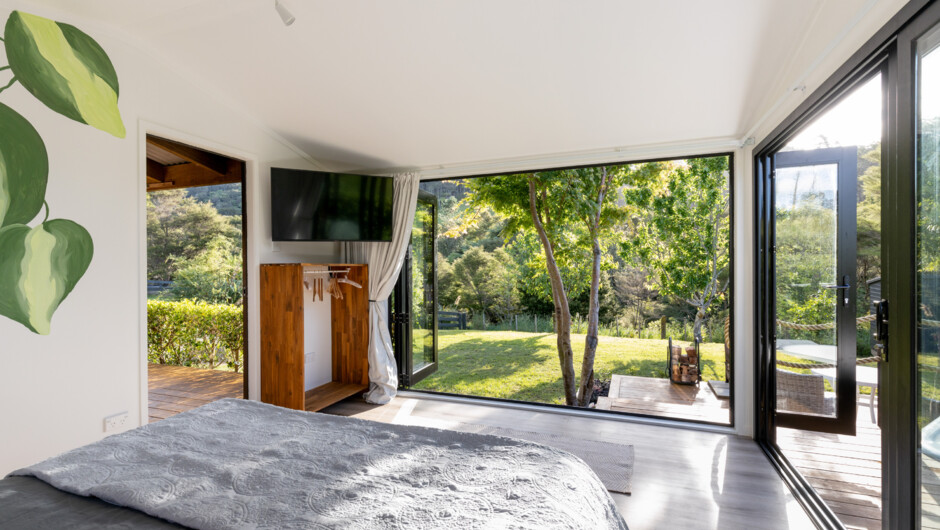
{"x":805,"y":393}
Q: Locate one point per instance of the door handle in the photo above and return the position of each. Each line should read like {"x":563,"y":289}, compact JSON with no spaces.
{"x":881,"y":323}
{"x":846,"y":285}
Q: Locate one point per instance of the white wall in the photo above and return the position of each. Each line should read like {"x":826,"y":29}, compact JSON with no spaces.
{"x":55,"y":390}
{"x":318,"y":353}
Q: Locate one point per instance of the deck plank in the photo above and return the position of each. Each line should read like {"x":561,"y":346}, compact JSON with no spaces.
{"x":175,"y":389}
{"x":660,"y":397}
{"x":844,"y":470}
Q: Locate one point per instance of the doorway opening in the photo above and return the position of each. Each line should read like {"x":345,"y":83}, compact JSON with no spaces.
{"x":825,"y":232}
{"x":196,"y":316}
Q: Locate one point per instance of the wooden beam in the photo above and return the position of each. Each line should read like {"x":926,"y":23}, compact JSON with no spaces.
{"x":156,"y":170}
{"x":211,"y":161}
{"x":168,"y":185}
{"x":192,"y":176}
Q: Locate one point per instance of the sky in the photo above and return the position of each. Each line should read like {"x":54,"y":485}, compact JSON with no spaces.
{"x":856,"y":120}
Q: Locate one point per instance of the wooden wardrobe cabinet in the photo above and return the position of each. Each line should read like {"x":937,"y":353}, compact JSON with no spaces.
{"x":282,"y":337}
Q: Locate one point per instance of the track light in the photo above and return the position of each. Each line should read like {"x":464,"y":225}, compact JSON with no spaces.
{"x":286,"y":16}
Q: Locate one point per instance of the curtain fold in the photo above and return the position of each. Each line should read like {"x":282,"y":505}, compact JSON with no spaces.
{"x":385,"y":260}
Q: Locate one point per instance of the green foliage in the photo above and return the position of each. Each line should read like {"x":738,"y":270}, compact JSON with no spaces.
{"x":928,"y":207}
{"x":179,"y":228}
{"x":567,"y":202}
{"x":485,"y":283}
{"x":226,"y":198}
{"x":680,"y":228}
{"x":213,"y":275}
{"x":195,"y":333}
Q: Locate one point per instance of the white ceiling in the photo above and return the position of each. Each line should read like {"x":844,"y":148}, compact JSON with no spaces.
{"x":417,"y":83}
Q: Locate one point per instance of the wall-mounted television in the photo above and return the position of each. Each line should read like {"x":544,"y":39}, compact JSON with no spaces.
{"x":320,"y":206}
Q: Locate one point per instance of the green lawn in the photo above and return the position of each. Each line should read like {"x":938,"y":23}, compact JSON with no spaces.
{"x":524,"y":366}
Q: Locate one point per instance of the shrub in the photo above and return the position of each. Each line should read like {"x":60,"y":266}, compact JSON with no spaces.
{"x":194,"y":333}
{"x":213,"y":275}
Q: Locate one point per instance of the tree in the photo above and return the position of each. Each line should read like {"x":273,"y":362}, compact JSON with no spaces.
{"x":574,"y":218}
{"x":447,"y":283}
{"x":680,"y":229}
{"x":179,"y":228}
{"x":485,"y":283}
{"x":214,"y":275}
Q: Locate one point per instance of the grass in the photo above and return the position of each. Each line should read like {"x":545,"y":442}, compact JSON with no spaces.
{"x":524,"y":366}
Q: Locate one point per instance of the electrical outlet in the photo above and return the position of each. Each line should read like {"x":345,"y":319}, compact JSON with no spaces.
{"x":115,"y":421}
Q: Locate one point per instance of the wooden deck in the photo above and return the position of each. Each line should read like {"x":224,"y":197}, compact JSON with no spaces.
{"x":660,"y":397}
{"x":844,"y":470}
{"x":175,"y":389}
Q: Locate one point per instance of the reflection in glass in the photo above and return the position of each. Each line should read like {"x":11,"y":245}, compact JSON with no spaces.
{"x":422,"y":274}
{"x":805,"y":208}
{"x":928,"y":274}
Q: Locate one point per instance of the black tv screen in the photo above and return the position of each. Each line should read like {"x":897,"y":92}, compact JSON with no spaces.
{"x":319,"y":206}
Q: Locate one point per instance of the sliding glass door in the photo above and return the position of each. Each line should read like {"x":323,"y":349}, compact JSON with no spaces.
{"x":896,"y":485}
{"x":914,"y":341}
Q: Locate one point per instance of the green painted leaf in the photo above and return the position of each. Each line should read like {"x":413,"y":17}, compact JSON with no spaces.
{"x":24,"y":169}
{"x":65,"y":69}
{"x":39,"y":267}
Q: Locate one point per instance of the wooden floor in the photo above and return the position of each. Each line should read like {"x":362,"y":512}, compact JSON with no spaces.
{"x":844,"y":470}
{"x":175,"y":389}
{"x":930,"y":493}
{"x":660,"y":397}
{"x":682,"y":478}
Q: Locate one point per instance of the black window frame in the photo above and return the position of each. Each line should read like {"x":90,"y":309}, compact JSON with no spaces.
{"x":731,"y":285}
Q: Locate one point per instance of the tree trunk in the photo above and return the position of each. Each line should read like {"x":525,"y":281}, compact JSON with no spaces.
{"x":699,"y":320}
{"x":560,"y":300}
{"x":590,"y":340}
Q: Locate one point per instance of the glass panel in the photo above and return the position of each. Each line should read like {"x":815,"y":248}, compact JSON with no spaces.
{"x":422,"y":285}
{"x":806,"y":262}
{"x":928,"y":274}
{"x":664,"y":285}
{"x":828,"y":208}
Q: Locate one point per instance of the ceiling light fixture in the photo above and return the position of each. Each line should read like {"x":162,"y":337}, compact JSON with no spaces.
{"x":286,"y":16}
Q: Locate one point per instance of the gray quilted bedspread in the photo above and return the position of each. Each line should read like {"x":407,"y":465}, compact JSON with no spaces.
{"x":244,"y":464}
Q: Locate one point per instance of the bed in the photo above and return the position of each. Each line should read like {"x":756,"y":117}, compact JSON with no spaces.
{"x":244,"y":464}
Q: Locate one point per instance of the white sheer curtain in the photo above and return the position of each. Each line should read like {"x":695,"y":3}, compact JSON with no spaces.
{"x":384,"y":260}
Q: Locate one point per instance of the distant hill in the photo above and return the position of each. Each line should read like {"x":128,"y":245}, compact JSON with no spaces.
{"x":445,"y":188}
{"x":227,"y":198}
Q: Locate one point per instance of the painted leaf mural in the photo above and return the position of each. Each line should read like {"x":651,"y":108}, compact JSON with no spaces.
{"x":40,"y":266}
{"x":71,"y":74}
{"x":24,"y":169}
{"x":65,"y":69}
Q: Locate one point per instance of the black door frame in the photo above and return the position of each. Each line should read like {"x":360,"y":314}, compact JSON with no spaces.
{"x":767,"y":419}
{"x":732,"y":285}
{"x":846,"y":160}
{"x":403,"y":307}
{"x":889,"y":50}
{"x":902,"y":260}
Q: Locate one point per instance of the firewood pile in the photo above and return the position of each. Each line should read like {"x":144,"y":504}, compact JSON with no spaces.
{"x":683,"y":364}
